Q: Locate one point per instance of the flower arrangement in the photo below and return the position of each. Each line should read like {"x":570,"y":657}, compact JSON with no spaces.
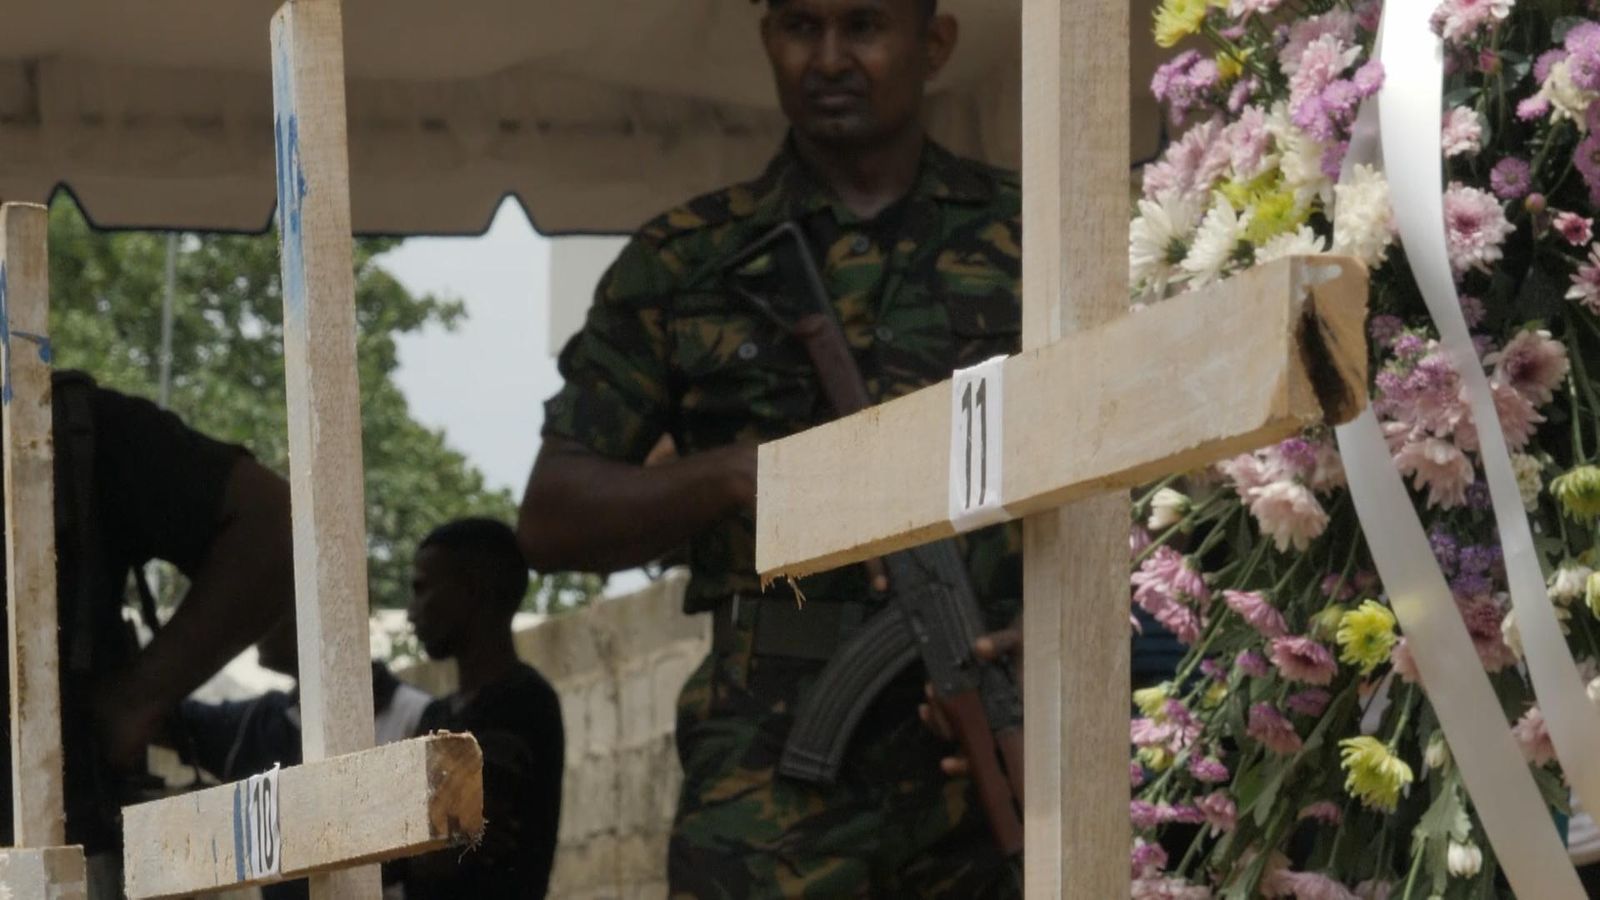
{"x":1294,"y":753}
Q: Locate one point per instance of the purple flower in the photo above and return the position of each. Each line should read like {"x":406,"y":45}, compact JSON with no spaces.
{"x":1369,"y":78}
{"x":1472,"y":310}
{"x":1213,"y":669}
{"x":1510,"y":178}
{"x":1583,"y":65}
{"x":1333,"y":159}
{"x":1444,"y":549}
{"x":1183,"y":84}
{"x":1240,"y":95}
{"x":1587,"y":159}
{"x":1409,"y":345}
{"x":1530,"y":108}
{"x":1541,"y":66}
{"x":1475,"y":559}
{"x":1385,"y":328}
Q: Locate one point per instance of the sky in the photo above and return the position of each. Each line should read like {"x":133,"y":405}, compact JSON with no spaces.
{"x":484,"y":383}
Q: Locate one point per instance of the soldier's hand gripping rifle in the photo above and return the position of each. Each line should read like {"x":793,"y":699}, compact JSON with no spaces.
{"x":932,"y":613}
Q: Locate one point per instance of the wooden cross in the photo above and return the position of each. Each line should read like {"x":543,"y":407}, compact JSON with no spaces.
{"x":348,"y":804}
{"x":1099,"y":401}
{"x":39,"y":866}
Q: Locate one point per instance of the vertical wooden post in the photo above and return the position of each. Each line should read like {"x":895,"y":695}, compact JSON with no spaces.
{"x":330,"y":557}
{"x":1075,"y":196}
{"x":38,"y":805}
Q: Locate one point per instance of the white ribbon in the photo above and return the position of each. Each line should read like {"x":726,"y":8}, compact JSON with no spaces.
{"x":1514,"y":815}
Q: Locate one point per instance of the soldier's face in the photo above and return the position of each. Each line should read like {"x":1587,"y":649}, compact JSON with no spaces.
{"x":852,"y":72}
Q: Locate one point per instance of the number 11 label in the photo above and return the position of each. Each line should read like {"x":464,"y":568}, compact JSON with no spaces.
{"x":976,"y":430}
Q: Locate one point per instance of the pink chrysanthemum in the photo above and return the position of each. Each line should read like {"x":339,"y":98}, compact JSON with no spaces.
{"x":1253,"y":664}
{"x":1462,"y":132}
{"x":1438,"y":465}
{"x":1304,"y":660}
{"x":1147,"y":859}
{"x":1475,"y":226}
{"x":1268,"y":726}
{"x":1208,"y":769}
{"x":1309,"y":702}
{"x":1534,"y":737}
{"x":1534,"y":364}
{"x":1256,"y":610}
{"x":1289,"y":513}
{"x":1585,"y":287}
{"x":1574,"y":229}
{"x":1460,"y":20}
{"x":1220,"y":812}
{"x":1315,"y":886}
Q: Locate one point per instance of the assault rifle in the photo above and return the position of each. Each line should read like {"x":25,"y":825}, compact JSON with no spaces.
{"x":932,"y":613}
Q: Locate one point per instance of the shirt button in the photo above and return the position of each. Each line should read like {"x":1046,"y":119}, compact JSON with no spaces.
{"x":885,"y":334}
{"x":748,"y":351}
{"x":860,"y":245}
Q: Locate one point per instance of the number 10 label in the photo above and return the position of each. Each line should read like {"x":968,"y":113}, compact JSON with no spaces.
{"x":976,"y":430}
{"x":257,"y":840}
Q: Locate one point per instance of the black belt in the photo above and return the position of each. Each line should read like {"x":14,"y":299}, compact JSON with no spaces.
{"x":784,"y":628}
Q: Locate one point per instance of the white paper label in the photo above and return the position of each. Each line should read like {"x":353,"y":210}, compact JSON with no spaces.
{"x":976,"y":444}
{"x":256,"y":834}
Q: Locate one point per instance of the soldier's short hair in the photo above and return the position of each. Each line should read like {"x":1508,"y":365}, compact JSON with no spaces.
{"x":928,"y":7}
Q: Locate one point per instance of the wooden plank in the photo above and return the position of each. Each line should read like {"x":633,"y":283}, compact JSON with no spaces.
{"x":1075,"y":560}
{"x":1097,"y":411}
{"x":325,"y":476}
{"x":38,"y":810}
{"x":397,"y":800}
{"x":50,"y":873}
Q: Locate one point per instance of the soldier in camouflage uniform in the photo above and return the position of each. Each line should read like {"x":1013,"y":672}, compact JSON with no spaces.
{"x":923,"y":274}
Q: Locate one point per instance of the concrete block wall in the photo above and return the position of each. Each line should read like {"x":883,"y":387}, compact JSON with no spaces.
{"x":618,"y":666}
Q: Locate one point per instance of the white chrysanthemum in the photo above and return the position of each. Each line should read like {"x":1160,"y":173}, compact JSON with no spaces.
{"x":1568,"y":583}
{"x":1158,"y":239}
{"x":1291,"y":243}
{"x":1215,"y":242}
{"x":1464,"y":860}
{"x":1363,"y":222}
{"x":1167,"y":508}
{"x":1529,"y":483}
{"x":1567,"y":100}
{"x":1299,"y":158}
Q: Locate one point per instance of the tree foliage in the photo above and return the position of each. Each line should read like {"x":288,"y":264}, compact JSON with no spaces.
{"x":227,"y":376}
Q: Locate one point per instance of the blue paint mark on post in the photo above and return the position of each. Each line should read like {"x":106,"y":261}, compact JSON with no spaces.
{"x":292,"y":186}
{"x":5,"y":340}
{"x":238,"y":832}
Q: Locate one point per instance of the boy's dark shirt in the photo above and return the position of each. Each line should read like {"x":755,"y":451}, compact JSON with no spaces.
{"x":517,"y":722}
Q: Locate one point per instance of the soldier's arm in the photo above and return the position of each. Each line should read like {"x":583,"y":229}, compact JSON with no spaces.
{"x":585,"y":512}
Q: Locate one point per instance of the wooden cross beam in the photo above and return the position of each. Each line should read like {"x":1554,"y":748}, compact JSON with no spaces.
{"x":39,"y":866}
{"x":348,"y":804}
{"x":1098,"y":401}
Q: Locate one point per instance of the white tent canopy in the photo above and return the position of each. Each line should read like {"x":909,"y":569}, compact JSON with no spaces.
{"x":596,"y":114}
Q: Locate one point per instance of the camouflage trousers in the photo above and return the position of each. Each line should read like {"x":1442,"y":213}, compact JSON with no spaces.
{"x":893,"y":825}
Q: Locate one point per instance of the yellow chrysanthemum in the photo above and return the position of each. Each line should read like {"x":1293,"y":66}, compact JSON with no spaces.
{"x":1214,"y":695}
{"x":1373,"y":775}
{"x":1591,"y":592}
{"x":1177,"y":19}
{"x":1366,"y":635}
{"x":1579,"y":492}
{"x":1247,"y":193}
{"x":1274,"y":213}
{"x":1230,"y":66}
{"x":1156,"y":759}
{"x":1152,"y":701}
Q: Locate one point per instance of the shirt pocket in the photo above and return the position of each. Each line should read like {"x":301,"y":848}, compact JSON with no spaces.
{"x":739,"y":374}
{"x":984,"y":324}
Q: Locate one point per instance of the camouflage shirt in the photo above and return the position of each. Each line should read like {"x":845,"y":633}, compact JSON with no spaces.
{"x":676,"y":341}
